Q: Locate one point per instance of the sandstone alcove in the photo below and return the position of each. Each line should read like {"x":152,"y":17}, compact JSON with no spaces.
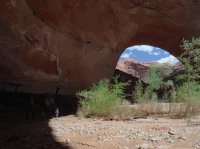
{"x":70,"y":45}
{"x":51,"y":44}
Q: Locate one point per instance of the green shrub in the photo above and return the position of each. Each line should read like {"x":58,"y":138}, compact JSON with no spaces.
{"x":102,"y":99}
{"x":139,"y":92}
{"x":155,"y":79}
{"x":149,"y":95}
{"x":188,"y":92}
{"x":154,"y":96}
{"x":172,"y":94}
{"x":191,"y":60}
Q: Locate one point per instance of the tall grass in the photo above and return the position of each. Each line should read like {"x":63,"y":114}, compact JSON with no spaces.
{"x":139,"y":92}
{"x":188,"y":92}
{"x":103,"y":99}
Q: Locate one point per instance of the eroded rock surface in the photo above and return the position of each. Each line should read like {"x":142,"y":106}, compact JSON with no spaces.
{"x":135,"y":68}
{"x":69,"y":45}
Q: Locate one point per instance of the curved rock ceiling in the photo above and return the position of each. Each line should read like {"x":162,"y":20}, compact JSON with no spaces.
{"x":69,"y":45}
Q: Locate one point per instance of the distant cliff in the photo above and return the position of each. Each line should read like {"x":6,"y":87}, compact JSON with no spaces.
{"x":139,"y":69}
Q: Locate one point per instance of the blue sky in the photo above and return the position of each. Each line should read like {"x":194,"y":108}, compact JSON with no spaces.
{"x":145,"y":53}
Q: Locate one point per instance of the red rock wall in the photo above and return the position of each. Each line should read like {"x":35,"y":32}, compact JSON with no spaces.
{"x":72,"y":44}
{"x":134,"y":68}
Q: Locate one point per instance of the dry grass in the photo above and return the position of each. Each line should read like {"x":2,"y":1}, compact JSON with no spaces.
{"x":187,"y":109}
{"x":142,"y":110}
{"x":175,"y":110}
{"x":122,"y":113}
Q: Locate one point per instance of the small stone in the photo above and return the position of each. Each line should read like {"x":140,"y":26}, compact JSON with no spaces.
{"x":154,"y":139}
{"x":163,"y":147}
{"x":67,"y":141}
{"x":171,"y":132}
{"x":143,"y":146}
{"x":171,"y":140}
{"x":182,"y":138}
{"x":197,"y":144}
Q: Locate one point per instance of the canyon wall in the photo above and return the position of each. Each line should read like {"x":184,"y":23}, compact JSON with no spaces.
{"x":51,"y":44}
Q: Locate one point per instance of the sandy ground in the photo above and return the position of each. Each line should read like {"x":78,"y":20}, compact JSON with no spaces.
{"x":160,"y":133}
{"x":72,"y":132}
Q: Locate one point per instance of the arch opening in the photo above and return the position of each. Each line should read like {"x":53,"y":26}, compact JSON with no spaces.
{"x":148,"y":53}
{"x":135,"y":64}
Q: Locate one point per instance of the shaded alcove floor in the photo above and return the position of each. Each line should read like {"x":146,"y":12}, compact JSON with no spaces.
{"x":16,"y":133}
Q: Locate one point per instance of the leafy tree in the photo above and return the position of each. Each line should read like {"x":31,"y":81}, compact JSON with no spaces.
{"x":156,"y":75}
{"x":117,"y":87}
{"x":165,"y":86}
{"x":191,"y":60}
{"x":190,"y":89}
{"x":156,"y":81}
{"x":139,"y":92}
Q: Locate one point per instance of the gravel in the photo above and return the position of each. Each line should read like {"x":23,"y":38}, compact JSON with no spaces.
{"x":155,"y":137}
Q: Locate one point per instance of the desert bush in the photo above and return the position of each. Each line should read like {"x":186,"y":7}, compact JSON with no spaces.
{"x":155,"y":79}
{"x":188,"y":95}
{"x":103,"y":98}
{"x":188,"y":92}
{"x":149,"y":96}
{"x":172,"y":94}
{"x":139,"y":92}
{"x":191,"y":60}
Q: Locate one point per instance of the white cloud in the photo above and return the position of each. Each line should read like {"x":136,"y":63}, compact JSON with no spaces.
{"x":125,"y":55}
{"x":130,"y":53}
{"x":170,"y":59}
{"x":155,"y":53}
{"x":144,"y":48}
{"x":165,"y":52}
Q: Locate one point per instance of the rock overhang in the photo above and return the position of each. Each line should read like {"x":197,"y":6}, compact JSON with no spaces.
{"x":70,"y":45}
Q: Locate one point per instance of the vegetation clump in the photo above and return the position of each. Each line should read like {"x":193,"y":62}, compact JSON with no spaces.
{"x":103,"y":98}
{"x":156,"y":80}
{"x":139,"y":92}
{"x":189,"y":90}
{"x":191,"y":60}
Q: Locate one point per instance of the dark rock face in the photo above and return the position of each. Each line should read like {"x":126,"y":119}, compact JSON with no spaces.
{"x":176,"y":70}
{"x":131,"y":70}
{"x":178,"y":67}
{"x":136,"y":69}
{"x":125,"y":77}
{"x":69,"y":45}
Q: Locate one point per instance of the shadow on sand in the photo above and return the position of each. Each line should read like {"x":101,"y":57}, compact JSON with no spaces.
{"x":21,"y":128}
